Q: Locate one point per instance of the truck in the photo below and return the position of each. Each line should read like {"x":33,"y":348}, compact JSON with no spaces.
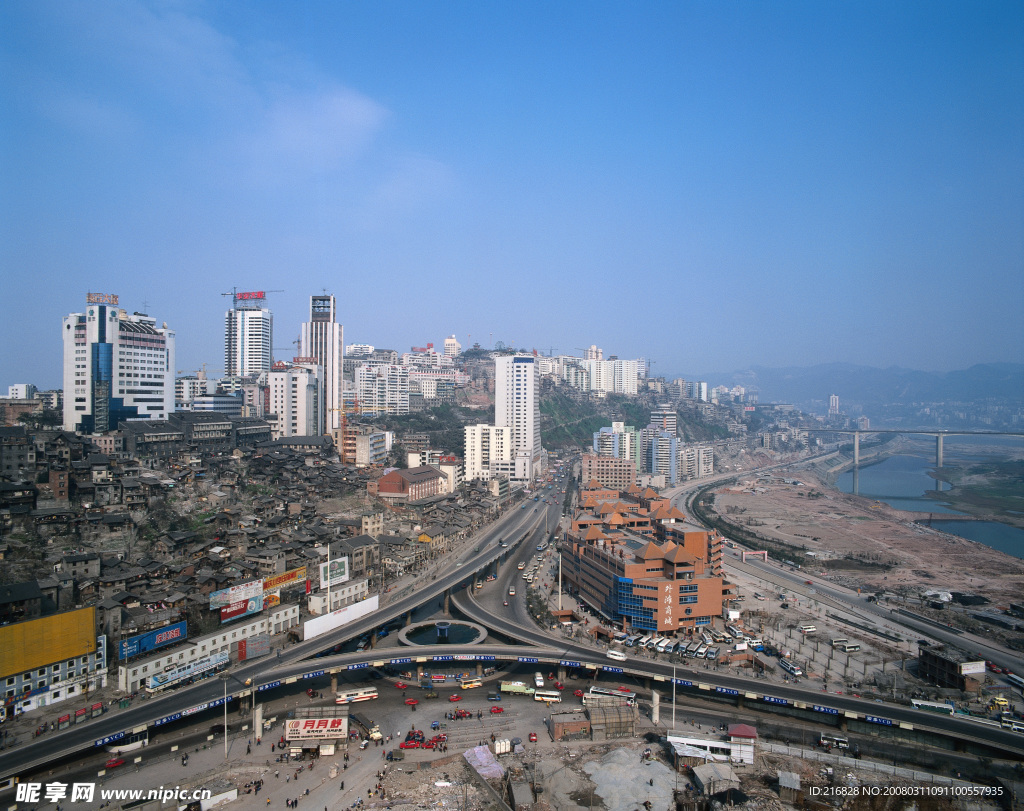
{"x":517,"y":688}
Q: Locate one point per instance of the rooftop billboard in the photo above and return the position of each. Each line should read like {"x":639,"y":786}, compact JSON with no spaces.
{"x":36,"y":643}
{"x":135,"y":645}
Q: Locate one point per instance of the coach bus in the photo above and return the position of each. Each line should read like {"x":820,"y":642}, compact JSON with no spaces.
{"x":547,"y":695}
{"x":932,"y":706}
{"x":356,"y":694}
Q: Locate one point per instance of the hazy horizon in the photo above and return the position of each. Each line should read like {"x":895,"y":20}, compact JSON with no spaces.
{"x":709,"y":187}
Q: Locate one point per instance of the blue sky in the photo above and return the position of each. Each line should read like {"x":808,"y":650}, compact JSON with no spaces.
{"x":709,"y":185}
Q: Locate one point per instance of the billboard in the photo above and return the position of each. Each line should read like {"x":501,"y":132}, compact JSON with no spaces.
{"x":271,"y":600}
{"x":243,"y":608}
{"x":342,"y":616}
{"x":169,"y":677}
{"x":243,"y":591}
{"x":289,"y":578}
{"x":253,"y":296}
{"x":32,"y":644}
{"x":339,"y":572}
{"x":253,"y":647}
{"x":152,"y":640}
{"x":317,"y":729}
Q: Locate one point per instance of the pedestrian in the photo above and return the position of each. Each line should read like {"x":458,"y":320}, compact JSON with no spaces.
{"x":342,"y":785}
{"x":248,"y":749}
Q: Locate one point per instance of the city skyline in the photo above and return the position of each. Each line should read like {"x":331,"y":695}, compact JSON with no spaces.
{"x":779,"y":186}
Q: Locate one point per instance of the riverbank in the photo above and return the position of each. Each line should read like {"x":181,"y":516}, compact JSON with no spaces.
{"x":869,"y":544}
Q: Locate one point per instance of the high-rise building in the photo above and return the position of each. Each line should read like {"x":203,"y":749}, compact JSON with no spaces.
{"x":620,"y":441}
{"x":116,"y":367}
{"x":382,"y":389}
{"x":296,"y":400}
{"x":833,"y":405}
{"x":517,"y":406}
{"x":664,"y":418}
{"x":452,"y":347}
{"x":486,"y":445}
{"x":321,"y":341}
{"x":248,"y":336}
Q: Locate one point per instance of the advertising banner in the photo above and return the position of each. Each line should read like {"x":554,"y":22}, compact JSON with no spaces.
{"x":342,"y":616}
{"x":289,"y":578}
{"x":135,"y":645}
{"x":169,"y":677}
{"x":317,"y":729}
{"x":271,"y":600}
{"x":243,"y":608}
{"x":243,"y":591}
{"x":338,"y":573}
{"x":253,"y":647}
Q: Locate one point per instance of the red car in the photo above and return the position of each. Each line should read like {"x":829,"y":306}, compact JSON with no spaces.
{"x":409,"y":745}
{"x":455,"y":697}
{"x":533,"y":737}
{"x":578,"y":693}
{"x":497,"y":710}
{"x":427,"y":745}
{"x":559,"y":685}
{"x":114,"y":762}
{"x":401,"y":685}
{"x":412,"y":702}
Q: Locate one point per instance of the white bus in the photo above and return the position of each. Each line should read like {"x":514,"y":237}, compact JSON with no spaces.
{"x":356,"y":694}
{"x":617,"y":655}
{"x":605,"y":692}
{"x":538,"y":680}
{"x":790,"y":668}
{"x":547,"y":695}
{"x":469,"y":683}
{"x":1015,"y":680}
{"x":833,"y":742}
{"x":932,"y":706}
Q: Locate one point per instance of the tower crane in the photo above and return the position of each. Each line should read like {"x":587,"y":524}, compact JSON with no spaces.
{"x":257,"y":295}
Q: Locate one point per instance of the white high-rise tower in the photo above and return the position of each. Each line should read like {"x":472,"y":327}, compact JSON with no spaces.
{"x":116,"y":367}
{"x":248,"y":336}
{"x":323,"y":339}
{"x":517,"y":406}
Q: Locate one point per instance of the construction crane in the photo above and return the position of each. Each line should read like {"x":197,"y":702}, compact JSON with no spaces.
{"x":200,"y":373}
{"x":257,"y":295}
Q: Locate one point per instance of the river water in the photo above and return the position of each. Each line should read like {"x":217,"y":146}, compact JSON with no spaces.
{"x":901,"y":481}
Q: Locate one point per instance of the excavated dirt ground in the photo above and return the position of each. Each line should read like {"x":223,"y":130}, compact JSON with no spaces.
{"x":868,"y":542}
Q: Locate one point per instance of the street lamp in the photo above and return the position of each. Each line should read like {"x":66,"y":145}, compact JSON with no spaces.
{"x":224,"y":675}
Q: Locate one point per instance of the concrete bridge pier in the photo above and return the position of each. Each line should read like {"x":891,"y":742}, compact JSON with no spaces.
{"x":447,"y":602}
{"x":655,"y":706}
{"x":856,"y":448}
{"x":408,"y":618}
{"x":561,"y":673}
{"x":334,"y":682}
{"x":479,"y":670}
{"x":938,"y":450}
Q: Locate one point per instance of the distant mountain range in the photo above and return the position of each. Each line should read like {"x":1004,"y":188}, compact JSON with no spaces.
{"x":867,"y":385}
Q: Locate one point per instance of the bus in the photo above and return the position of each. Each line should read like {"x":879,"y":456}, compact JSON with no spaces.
{"x":547,"y":695}
{"x":1015,"y":680}
{"x":1012,"y":724}
{"x":468,"y":684}
{"x":606,"y":692}
{"x":833,"y":742}
{"x":356,"y":694}
{"x":932,"y":706}
{"x":790,"y":668}
{"x":850,"y":647}
{"x":538,"y":680}
{"x":516,"y":688}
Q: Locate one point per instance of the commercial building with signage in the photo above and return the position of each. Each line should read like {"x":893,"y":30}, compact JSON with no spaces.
{"x":51,"y":659}
{"x":116,"y":367}
{"x":949,"y":667}
{"x":278,"y":620}
{"x":639,"y":584}
{"x":248,"y":336}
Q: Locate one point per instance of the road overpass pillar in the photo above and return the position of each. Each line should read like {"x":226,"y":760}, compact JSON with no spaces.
{"x":655,"y":706}
{"x":334,"y":682}
{"x":408,"y":618}
{"x":856,"y":448}
{"x":447,"y":602}
{"x":938,"y":450}
{"x":479,"y":670}
{"x":561,"y":673}
{"x":373,"y":639}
